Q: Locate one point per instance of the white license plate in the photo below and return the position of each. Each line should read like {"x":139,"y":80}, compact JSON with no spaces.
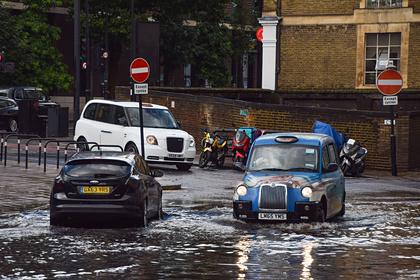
{"x":175,"y":156}
{"x":272,"y":216}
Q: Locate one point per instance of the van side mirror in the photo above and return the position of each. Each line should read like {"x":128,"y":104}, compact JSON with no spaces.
{"x":156,"y":173}
{"x":179,"y":124}
{"x":332,"y":167}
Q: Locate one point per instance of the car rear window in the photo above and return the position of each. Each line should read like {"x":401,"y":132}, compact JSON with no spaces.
{"x":97,"y":169}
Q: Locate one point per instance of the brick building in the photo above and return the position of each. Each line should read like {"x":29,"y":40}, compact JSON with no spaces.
{"x":344,"y":44}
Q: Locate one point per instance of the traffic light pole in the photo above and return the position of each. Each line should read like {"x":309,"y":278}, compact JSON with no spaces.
{"x":132,"y":43}
{"x":88,"y":90}
{"x":393,"y":144}
{"x":76,"y":102}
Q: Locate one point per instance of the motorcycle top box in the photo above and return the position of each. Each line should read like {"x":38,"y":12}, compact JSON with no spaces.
{"x":291,"y":177}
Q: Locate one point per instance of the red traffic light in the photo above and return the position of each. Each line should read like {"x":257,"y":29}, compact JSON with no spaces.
{"x":259,"y":34}
{"x":1,"y":57}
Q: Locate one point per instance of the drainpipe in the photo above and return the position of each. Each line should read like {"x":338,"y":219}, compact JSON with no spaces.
{"x":269,"y":54}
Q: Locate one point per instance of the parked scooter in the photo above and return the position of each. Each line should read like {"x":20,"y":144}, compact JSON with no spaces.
{"x":241,"y":144}
{"x":214,"y":150}
{"x":352,"y":158}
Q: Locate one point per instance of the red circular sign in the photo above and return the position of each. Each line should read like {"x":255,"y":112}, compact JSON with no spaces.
{"x":139,"y":70}
{"x":389,"y":82}
{"x":259,"y":34}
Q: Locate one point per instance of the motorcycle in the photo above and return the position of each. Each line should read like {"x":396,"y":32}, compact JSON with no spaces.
{"x":241,"y":144}
{"x":214,"y":150}
{"x":352,"y":158}
{"x":352,"y":155}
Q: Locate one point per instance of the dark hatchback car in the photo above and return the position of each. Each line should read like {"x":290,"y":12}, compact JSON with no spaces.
{"x":106,"y":186}
{"x":8,"y":114}
{"x":29,"y":93}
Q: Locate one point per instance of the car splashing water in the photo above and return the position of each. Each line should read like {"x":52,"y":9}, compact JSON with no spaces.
{"x":201,"y":240}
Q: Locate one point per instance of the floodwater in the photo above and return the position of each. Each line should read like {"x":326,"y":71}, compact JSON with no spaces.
{"x":377,"y":238}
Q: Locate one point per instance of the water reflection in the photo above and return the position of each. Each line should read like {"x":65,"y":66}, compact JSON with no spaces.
{"x":307,"y":261}
{"x":244,"y":246}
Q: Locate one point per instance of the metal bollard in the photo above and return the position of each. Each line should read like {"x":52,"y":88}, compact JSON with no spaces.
{"x":18,"y":143}
{"x":1,"y":148}
{"x":45,"y":159}
{"x":39,"y":152}
{"x":26,"y":156}
{"x":58,"y":155}
{"x":5,"y":153}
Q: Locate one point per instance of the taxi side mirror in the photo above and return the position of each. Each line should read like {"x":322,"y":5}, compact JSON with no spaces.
{"x":332,"y":167}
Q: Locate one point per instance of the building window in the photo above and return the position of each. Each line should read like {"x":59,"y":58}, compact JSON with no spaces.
{"x":380,"y":4}
{"x":381,"y":50}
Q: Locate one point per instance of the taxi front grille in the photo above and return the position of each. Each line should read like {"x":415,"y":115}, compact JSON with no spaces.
{"x":273,"y":197}
{"x":175,"y":144}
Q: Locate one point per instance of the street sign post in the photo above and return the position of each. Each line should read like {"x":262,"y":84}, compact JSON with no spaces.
{"x":390,"y":83}
{"x":139,"y":73}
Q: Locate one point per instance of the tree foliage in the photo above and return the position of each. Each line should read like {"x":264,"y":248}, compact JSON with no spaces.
{"x":31,"y":46}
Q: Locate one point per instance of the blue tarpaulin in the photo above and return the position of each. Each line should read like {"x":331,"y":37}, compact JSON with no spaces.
{"x":324,"y":128}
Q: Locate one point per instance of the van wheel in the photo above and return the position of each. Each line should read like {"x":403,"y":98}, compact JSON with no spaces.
{"x":183,"y":167}
{"x":131,"y":148}
{"x":13,"y":125}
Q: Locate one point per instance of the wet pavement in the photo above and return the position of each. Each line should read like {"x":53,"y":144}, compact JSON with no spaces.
{"x":379,"y":237}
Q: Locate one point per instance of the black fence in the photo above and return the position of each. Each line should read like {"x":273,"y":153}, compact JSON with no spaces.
{"x":42,"y":144}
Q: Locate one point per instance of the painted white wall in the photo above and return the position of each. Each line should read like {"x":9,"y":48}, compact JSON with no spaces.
{"x":269,"y":55}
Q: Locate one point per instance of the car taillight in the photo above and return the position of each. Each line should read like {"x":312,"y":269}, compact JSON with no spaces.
{"x":36,"y":105}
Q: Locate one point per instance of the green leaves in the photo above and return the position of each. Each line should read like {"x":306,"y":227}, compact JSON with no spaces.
{"x":32,"y":48}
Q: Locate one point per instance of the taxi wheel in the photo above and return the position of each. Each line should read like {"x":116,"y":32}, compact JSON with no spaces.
{"x":132,"y":148}
{"x":144,"y":214}
{"x":343,"y":208}
{"x":321,"y":215}
{"x":160,"y":211}
{"x":183,"y":167}
{"x":82,"y":147}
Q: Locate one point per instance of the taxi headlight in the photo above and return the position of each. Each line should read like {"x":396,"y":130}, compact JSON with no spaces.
{"x":306,"y":192}
{"x":192,"y":142}
{"x":151,"y":140}
{"x":241,"y":190}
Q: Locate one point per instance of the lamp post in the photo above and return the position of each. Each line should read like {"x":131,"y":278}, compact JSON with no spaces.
{"x":132,"y":43}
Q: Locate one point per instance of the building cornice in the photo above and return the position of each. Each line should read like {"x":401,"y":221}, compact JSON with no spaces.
{"x":360,"y":16}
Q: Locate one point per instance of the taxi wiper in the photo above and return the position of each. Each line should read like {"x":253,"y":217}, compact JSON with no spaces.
{"x":300,"y":169}
{"x":271,"y":169}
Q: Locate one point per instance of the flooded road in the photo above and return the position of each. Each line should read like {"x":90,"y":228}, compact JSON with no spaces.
{"x":379,"y":237}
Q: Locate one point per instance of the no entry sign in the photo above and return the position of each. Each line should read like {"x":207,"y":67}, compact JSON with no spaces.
{"x":389,"y":82}
{"x":139,"y":70}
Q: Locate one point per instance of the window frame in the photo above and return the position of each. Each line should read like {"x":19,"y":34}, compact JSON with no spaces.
{"x":94,"y":111}
{"x":377,"y":47}
{"x":387,"y":5}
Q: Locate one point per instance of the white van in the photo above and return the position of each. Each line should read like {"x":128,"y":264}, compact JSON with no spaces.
{"x":117,"y":123}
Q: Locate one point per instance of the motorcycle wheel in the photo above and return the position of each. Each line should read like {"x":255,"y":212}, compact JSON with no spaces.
{"x":345,"y":168}
{"x":204,"y":159}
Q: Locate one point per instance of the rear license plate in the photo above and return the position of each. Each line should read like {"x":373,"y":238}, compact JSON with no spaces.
{"x":272,"y":216}
{"x":95,"y":189}
{"x":175,"y":156}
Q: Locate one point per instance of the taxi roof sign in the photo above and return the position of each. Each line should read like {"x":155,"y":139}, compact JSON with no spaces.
{"x":286,"y":139}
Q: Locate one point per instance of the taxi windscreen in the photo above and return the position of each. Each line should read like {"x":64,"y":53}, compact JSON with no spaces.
{"x":97,"y":169}
{"x":284,"y":157}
